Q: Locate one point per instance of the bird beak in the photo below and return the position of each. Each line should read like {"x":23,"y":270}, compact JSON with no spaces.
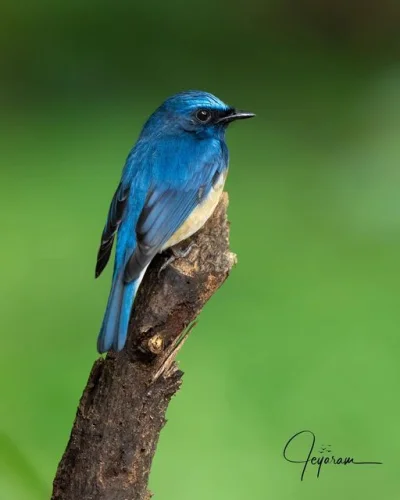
{"x":236,"y":114}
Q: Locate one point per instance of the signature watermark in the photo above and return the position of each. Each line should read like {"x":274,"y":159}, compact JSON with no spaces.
{"x":325,"y":455}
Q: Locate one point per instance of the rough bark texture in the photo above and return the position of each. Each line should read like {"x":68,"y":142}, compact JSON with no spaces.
{"x":122,"y":409}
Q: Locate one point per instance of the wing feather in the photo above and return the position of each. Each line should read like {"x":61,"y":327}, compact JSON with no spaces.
{"x":165,"y":210}
{"x":114,"y":218}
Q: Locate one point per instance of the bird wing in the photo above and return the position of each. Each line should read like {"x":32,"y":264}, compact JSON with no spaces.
{"x":168,"y":205}
{"x":114,"y":218}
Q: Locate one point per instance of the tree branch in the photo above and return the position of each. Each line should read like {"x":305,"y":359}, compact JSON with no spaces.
{"x":122,"y":409}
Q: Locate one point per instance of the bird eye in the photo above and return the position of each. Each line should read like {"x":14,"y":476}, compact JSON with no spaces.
{"x":203,"y":115}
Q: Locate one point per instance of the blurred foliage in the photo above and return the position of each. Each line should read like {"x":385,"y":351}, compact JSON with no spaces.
{"x":304,"y":334}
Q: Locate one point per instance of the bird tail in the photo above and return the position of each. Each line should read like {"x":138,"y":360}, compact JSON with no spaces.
{"x":114,"y":329}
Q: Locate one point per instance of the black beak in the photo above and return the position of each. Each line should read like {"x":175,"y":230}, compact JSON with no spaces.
{"x":235,"y":114}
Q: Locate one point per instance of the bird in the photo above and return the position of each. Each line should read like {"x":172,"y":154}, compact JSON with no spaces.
{"x":170,"y":185}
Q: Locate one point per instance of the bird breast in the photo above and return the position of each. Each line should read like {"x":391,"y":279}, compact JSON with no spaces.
{"x":199,"y":215}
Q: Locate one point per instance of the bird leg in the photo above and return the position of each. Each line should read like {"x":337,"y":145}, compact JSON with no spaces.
{"x":176,"y":253}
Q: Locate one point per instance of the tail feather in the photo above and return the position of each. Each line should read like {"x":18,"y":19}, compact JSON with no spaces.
{"x":114,"y":329}
{"x":111,"y":316}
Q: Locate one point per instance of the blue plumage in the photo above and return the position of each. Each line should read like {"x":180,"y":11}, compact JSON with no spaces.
{"x":169,"y":187}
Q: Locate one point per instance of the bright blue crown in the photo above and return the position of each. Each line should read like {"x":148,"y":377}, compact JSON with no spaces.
{"x":194,"y":99}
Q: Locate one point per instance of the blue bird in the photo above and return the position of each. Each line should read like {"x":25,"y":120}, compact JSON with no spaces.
{"x":171,"y":183}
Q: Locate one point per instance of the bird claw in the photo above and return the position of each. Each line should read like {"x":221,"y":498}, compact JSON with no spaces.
{"x":177,"y":253}
{"x":180,"y":253}
{"x":166,"y":264}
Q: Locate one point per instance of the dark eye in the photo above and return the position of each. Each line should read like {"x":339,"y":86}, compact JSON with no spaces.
{"x":203,"y":115}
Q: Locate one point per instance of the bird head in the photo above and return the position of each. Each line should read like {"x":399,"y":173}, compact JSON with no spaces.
{"x":195,"y":112}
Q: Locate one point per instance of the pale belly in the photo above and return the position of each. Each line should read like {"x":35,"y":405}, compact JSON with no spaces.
{"x":200,"y":214}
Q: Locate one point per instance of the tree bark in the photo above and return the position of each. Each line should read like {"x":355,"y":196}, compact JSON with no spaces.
{"x":122,"y":409}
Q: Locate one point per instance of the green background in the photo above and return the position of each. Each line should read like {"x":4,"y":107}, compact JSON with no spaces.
{"x":305,"y":333}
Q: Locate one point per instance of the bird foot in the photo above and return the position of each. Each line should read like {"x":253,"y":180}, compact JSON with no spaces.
{"x":176,"y":253}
